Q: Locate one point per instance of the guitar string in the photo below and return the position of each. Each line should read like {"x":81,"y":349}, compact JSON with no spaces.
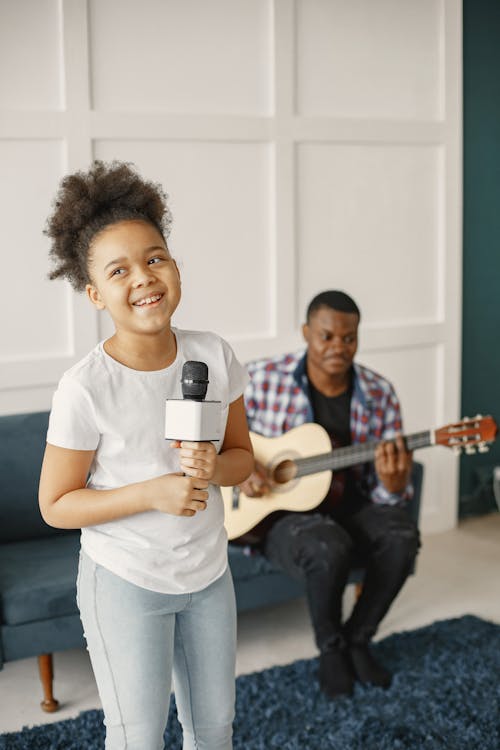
{"x":353,"y":454}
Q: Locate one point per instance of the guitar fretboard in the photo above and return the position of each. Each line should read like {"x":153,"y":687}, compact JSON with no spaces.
{"x":351,"y":455}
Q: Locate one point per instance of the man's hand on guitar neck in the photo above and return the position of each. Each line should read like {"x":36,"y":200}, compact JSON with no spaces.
{"x":258,"y":483}
{"x":393,"y":465}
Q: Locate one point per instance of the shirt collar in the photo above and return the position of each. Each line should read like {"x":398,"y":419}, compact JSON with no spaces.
{"x":360,"y":388}
{"x":300,"y":372}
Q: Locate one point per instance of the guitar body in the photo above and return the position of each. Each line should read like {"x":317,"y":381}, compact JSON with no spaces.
{"x":242,"y":513}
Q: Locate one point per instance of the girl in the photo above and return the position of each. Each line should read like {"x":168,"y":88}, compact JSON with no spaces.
{"x":154,"y":588}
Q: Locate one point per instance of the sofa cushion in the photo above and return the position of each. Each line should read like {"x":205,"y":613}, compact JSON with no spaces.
{"x":23,"y":438}
{"x":245,"y":564}
{"x":38,"y":578}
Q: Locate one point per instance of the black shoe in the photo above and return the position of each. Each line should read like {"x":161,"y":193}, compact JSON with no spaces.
{"x":336,"y":677}
{"x":366,"y":667}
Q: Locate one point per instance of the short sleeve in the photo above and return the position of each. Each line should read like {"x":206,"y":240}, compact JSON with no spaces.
{"x":72,"y":422}
{"x":236,"y":373}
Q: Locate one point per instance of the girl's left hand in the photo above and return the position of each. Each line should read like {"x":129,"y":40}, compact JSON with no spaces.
{"x":197,"y":459}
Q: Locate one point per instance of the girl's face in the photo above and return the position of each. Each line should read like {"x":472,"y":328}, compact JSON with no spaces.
{"x":134,"y":277}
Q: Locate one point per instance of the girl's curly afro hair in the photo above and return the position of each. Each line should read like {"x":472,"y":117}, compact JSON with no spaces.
{"x":88,"y":202}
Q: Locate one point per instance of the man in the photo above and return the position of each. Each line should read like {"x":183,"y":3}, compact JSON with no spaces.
{"x":366,"y":516}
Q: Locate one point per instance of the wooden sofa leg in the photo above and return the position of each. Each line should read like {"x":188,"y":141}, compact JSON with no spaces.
{"x":45,"y":667}
{"x":358,"y":588}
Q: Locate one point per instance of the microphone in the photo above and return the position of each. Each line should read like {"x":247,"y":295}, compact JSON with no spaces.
{"x":191,"y":417}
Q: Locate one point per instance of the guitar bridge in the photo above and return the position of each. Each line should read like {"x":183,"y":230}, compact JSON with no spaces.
{"x":236,"y":498}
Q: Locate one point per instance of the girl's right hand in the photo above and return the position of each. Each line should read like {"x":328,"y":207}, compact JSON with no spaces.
{"x":178,"y":494}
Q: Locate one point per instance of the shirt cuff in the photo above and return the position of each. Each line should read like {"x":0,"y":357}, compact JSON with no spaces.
{"x":384,"y":497}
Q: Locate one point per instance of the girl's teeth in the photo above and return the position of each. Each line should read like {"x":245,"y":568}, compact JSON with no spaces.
{"x":148,"y":300}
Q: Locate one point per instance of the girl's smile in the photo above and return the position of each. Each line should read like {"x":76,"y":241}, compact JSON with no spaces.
{"x":149,"y":301}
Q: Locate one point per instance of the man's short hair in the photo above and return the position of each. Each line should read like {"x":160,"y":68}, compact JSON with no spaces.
{"x":335,"y":300}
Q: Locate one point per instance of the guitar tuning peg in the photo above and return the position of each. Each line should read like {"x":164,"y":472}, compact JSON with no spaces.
{"x":483,"y":448}
{"x":456,"y":450}
{"x":470,"y":450}
{"x":478,"y":416}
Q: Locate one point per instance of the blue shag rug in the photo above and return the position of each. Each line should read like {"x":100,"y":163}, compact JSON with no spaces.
{"x":445,"y":696}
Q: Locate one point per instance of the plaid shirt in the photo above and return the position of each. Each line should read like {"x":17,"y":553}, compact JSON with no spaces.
{"x":277,"y":399}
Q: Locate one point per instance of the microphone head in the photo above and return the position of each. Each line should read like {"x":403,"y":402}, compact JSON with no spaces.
{"x":194,"y":380}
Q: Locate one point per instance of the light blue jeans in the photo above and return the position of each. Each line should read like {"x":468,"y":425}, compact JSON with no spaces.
{"x":137,"y":638}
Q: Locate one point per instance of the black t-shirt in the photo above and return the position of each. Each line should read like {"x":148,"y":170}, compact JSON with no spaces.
{"x":333,"y":413}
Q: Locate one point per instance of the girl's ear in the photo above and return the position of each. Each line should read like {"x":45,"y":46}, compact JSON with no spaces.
{"x":94,"y":296}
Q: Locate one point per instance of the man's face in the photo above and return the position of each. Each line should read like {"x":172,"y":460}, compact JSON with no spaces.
{"x":332,"y":341}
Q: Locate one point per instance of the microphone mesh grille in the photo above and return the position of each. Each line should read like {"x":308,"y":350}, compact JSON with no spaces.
{"x":194,"y":380}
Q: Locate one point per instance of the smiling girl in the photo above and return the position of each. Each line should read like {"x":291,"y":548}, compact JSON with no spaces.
{"x":154,"y":588}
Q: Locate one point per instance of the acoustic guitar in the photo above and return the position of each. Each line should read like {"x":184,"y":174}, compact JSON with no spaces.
{"x":300,"y":464}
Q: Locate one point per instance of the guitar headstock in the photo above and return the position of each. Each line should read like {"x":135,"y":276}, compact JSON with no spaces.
{"x":471,"y":434}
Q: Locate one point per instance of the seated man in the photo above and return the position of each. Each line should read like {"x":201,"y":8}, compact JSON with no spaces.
{"x":363,"y":512}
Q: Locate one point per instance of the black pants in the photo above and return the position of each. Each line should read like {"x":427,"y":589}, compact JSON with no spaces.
{"x":319,"y":550}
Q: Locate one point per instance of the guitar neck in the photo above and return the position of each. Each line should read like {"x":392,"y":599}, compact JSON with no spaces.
{"x":351,"y":455}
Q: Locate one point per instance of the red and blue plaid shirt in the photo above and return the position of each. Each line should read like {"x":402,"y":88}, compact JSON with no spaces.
{"x":277,"y":399}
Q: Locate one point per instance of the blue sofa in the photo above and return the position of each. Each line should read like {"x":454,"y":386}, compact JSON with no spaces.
{"x":38,"y":564}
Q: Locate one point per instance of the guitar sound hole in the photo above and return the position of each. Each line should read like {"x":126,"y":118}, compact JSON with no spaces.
{"x":284,"y":472}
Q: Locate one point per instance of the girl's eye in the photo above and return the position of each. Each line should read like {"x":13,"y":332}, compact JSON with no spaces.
{"x":156,"y":259}
{"x":117,"y":272}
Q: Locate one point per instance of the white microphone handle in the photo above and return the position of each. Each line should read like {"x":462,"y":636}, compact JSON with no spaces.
{"x":198,"y":421}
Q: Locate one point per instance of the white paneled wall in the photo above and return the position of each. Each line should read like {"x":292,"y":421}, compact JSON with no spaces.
{"x":305,"y":145}
{"x":221,"y":199}
{"x":183,"y":56}
{"x":377,"y":203}
{"x":363,"y":59}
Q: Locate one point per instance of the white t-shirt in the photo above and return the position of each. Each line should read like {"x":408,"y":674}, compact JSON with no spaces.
{"x":105,"y":406}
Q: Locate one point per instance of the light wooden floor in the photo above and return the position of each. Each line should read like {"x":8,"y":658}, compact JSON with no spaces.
{"x":458,"y":573}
